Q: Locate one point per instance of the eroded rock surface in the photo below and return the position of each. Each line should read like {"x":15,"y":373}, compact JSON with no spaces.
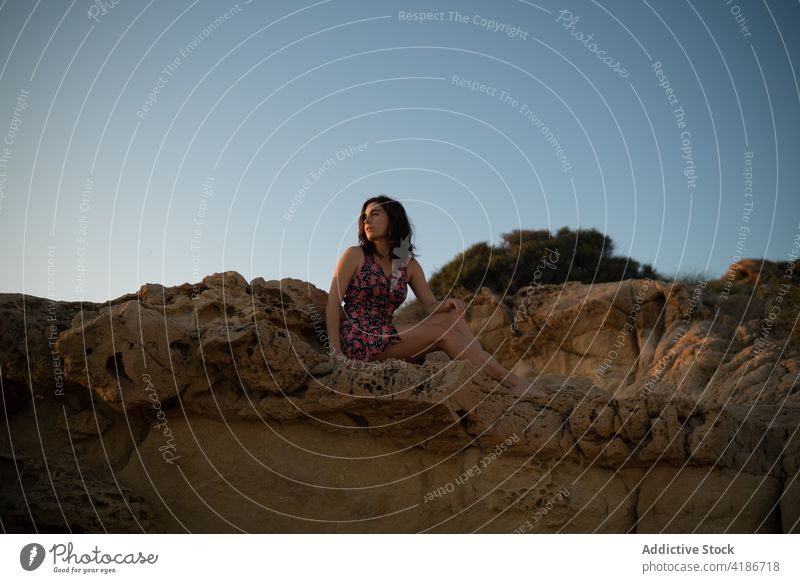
{"x":215,"y":408}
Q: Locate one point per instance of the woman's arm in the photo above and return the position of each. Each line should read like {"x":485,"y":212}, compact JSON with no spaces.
{"x":416,"y":280}
{"x":333,"y":318}
{"x":345,"y":270}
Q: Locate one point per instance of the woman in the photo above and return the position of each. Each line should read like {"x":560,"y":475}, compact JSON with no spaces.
{"x":372,"y":279}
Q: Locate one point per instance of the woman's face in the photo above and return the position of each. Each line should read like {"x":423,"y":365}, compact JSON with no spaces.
{"x":376,"y":222}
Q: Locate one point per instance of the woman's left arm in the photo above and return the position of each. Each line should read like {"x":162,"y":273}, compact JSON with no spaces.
{"x":447,"y":305}
{"x":416,"y":280}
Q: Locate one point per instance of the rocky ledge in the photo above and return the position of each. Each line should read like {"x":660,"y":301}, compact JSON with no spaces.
{"x":214,"y":407}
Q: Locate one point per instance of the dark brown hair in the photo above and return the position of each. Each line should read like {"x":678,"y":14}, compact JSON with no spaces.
{"x":399,"y":225}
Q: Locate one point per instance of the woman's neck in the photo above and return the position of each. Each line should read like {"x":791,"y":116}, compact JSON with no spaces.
{"x":383,"y":249}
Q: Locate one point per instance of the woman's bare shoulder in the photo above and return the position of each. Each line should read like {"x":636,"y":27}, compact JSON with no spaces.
{"x":354,"y":253}
{"x":353,"y":256}
{"x":412,"y":267}
{"x":348,"y":265}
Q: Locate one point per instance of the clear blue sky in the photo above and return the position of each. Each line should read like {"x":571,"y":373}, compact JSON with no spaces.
{"x":110,"y":190}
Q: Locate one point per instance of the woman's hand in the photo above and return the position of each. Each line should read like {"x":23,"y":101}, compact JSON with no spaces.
{"x":454,"y":304}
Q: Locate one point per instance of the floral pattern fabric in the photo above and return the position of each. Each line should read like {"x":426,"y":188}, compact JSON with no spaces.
{"x":369,"y":303}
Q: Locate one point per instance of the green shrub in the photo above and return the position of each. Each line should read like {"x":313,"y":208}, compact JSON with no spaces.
{"x":584,"y":255}
{"x":523,"y":257}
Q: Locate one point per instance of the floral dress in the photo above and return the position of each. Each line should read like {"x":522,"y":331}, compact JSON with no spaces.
{"x":369,"y":303}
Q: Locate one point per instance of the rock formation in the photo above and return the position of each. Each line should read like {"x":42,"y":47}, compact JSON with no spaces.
{"x":214,"y":407}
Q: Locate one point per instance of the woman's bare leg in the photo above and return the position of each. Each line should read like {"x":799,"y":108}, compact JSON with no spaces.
{"x":468,"y":347}
{"x":443,"y":331}
{"x":415,"y":340}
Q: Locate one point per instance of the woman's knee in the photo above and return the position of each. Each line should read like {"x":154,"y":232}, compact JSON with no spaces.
{"x":441,"y":328}
{"x":445,"y":320}
{"x":448,"y":333}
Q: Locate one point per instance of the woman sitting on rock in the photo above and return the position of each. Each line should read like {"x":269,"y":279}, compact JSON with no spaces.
{"x":373,"y":278}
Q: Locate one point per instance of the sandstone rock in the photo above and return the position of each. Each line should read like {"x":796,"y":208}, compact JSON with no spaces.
{"x":214,"y":407}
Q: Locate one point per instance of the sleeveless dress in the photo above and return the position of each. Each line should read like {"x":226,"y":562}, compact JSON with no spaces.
{"x":369,"y":303}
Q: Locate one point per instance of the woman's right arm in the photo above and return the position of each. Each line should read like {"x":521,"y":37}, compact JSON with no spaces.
{"x":345,"y":270}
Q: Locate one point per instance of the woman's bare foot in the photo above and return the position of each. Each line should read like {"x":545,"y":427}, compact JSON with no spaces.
{"x":520,"y":386}
{"x":516,"y":384}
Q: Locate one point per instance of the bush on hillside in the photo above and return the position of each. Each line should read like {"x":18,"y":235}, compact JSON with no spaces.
{"x":526,"y":256}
